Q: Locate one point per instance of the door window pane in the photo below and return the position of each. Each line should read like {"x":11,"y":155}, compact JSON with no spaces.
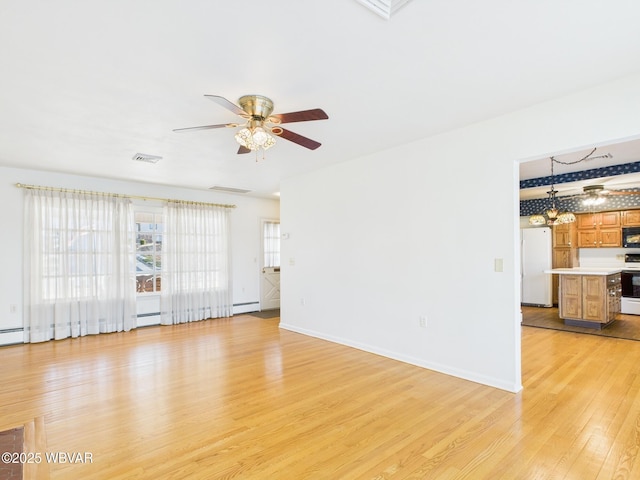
{"x":271,"y":232}
{"x":149,"y":231}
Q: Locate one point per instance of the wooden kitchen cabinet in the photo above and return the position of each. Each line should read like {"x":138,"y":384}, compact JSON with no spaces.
{"x":565,"y":253}
{"x":594,"y":298}
{"x":598,"y":220}
{"x":565,"y":258}
{"x":600,"y":238}
{"x":595,"y":230}
{"x":565,"y":235}
{"x":589,"y":300}
{"x":611,"y":237}
{"x":570,"y":305}
{"x":630,"y":218}
{"x":588,"y":238}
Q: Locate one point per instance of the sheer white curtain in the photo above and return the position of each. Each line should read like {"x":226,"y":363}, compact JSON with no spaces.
{"x":271,"y":236}
{"x":79,"y":265}
{"x":196,"y":274}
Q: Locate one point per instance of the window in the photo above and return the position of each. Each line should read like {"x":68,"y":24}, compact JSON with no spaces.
{"x":271,"y":241}
{"x":149,"y":233}
{"x":79,"y":269}
{"x":196,"y":263}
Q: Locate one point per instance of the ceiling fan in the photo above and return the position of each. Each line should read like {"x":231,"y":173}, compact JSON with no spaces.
{"x":260,"y":126}
{"x":596,"y":194}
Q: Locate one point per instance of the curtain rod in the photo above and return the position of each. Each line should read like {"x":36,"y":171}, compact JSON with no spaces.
{"x":137,"y":197}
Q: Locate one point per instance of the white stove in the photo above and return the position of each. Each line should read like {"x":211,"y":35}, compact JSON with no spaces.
{"x":631,"y":284}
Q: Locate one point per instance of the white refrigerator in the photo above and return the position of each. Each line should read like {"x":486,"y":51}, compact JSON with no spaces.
{"x":536,"y":257}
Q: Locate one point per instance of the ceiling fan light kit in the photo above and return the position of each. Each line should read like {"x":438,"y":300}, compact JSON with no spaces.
{"x":255,"y":138}
{"x":594,"y":195}
{"x":261,"y":127}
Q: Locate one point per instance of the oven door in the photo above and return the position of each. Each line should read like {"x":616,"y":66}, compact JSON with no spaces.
{"x":630,"y":306}
{"x":630,"y":283}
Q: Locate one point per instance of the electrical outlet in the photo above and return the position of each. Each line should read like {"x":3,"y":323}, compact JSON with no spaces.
{"x":303,"y":302}
{"x":423,"y":321}
{"x":13,"y":308}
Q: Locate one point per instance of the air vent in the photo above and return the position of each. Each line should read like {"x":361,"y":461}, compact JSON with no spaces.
{"x":384,"y":8}
{"x":229,"y":189}
{"x":143,"y":157}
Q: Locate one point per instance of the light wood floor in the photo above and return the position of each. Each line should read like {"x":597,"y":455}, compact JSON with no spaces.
{"x":239,"y":398}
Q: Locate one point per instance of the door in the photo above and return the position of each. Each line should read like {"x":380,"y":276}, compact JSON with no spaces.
{"x":270,"y":288}
{"x":270,"y":273}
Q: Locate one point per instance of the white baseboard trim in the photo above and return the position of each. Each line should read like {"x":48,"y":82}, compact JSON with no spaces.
{"x":436,"y":367}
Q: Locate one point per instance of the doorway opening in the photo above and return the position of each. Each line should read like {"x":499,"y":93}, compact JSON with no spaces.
{"x":613,"y":165}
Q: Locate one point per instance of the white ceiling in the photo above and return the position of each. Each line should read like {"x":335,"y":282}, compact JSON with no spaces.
{"x":85,"y":85}
{"x":618,"y":154}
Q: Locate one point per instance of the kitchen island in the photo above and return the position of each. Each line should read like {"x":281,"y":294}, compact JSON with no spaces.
{"x":588,"y":297}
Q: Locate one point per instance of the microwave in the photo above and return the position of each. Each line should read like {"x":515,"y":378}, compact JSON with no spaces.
{"x":631,"y":237}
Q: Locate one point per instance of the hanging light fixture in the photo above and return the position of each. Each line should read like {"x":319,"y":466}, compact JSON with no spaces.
{"x":537,"y":220}
{"x":255,"y":137}
{"x":552,"y":216}
{"x":566,"y":217}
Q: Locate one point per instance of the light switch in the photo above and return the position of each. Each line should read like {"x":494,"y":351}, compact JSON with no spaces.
{"x":497,"y":265}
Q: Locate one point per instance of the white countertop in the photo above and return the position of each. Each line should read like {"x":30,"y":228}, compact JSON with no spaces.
{"x":586,"y":270}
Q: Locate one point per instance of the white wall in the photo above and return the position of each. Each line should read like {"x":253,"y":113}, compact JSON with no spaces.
{"x":245,"y":235}
{"x":380,"y":241}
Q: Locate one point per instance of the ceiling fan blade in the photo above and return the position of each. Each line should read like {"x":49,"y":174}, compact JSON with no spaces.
{"x":302,"y":116}
{"x":206,"y":127}
{"x":223,"y":102}
{"x":242,"y":150}
{"x":617,"y":192}
{"x":299,"y":139}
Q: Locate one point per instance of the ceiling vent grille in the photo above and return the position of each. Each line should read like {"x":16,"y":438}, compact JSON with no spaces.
{"x":229,"y":189}
{"x":143,"y":157}
{"x":384,"y":8}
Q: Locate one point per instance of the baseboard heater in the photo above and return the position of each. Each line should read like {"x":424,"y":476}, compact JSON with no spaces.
{"x":247,"y":307}
{"x":11,"y":336}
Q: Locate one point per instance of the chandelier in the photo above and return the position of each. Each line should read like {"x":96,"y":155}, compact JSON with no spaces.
{"x":552,"y":216}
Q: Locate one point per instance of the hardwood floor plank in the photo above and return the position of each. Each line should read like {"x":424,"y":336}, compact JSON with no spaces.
{"x":240,"y":398}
